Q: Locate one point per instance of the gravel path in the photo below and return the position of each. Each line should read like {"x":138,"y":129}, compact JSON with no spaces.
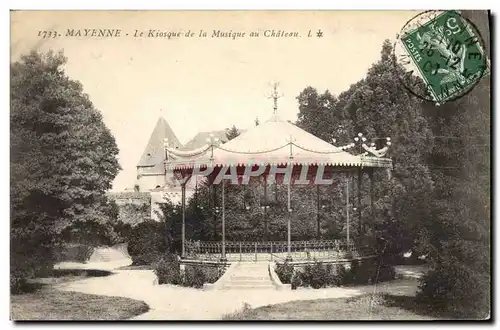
{"x":169,"y":302}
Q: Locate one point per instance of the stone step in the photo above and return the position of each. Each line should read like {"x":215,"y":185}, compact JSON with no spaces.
{"x":252,"y":286}
{"x":256,"y":278}
{"x":251,"y":283}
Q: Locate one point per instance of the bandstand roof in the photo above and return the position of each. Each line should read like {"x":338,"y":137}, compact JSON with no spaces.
{"x":274,"y":142}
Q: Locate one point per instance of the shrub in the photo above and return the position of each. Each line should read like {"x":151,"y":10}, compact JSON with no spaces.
{"x":18,"y":282}
{"x":458,"y":290}
{"x":386,"y":273}
{"x":369,"y":271}
{"x":341,"y":274}
{"x":193,"y":277}
{"x":146,"y":243}
{"x":27,"y":261}
{"x":285,"y":272}
{"x":168,"y":271}
{"x":296,"y":280}
{"x":317,"y":275}
{"x":197,"y":275}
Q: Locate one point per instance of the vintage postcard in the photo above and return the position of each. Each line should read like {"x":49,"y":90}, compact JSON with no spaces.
{"x":250,"y":165}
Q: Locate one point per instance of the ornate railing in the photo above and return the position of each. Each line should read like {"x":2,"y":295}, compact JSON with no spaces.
{"x":299,"y":250}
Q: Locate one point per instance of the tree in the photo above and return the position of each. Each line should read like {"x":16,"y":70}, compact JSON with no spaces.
{"x":257,"y":122}
{"x":381,"y":107}
{"x":63,"y":159}
{"x":232,"y":133}
{"x":316,"y":113}
{"x":457,"y":236}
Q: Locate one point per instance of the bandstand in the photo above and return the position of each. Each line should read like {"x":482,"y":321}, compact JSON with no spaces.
{"x":278,"y":152}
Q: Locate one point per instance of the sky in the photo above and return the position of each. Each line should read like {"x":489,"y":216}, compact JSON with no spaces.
{"x":203,"y":84}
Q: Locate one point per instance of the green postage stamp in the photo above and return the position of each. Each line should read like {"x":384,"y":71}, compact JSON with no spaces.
{"x":447,"y":51}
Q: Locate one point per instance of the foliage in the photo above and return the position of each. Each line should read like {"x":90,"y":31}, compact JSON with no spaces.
{"x":379,"y":107}
{"x":146,"y":242}
{"x":74,"y":252}
{"x":368,"y":271}
{"x":63,"y":159}
{"x":167,"y":270}
{"x":296,"y":280}
{"x":452,"y":287}
{"x":456,"y":237}
{"x":170,"y":216}
{"x":197,"y":275}
{"x":318,"y":275}
{"x":245,"y":217}
{"x":232,"y":133}
{"x":285,"y":272}
{"x":133,"y":214}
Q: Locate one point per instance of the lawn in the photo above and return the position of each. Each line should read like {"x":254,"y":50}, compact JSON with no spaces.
{"x":47,"y":303}
{"x":364,"y":307}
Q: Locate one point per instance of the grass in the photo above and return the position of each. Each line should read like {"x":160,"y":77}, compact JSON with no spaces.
{"x":45,"y":302}
{"x":392,"y":300}
{"x":363,"y":307}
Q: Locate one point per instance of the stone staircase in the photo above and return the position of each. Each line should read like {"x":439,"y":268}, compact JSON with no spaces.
{"x":106,"y":254}
{"x":249,"y":276}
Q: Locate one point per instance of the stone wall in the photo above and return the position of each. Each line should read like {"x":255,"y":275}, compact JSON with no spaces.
{"x":134,"y":207}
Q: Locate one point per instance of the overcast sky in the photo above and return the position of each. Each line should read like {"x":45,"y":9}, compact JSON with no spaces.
{"x":201,"y":84}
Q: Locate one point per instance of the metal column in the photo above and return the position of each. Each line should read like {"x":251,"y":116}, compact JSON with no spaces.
{"x":183,"y":198}
{"x":223,"y":221}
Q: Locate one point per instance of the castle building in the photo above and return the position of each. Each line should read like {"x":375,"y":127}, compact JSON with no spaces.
{"x":151,"y":176}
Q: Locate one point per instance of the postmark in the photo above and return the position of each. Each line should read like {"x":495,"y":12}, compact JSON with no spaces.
{"x":445,"y":51}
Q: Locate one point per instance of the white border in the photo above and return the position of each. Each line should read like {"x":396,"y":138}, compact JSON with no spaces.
{"x":189,"y":4}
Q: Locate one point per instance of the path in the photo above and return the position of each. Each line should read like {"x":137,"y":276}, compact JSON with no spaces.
{"x":169,"y":302}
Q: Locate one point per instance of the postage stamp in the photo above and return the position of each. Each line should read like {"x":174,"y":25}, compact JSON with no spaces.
{"x":445,"y":50}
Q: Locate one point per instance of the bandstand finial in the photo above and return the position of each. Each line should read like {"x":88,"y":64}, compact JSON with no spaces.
{"x":275,"y":96}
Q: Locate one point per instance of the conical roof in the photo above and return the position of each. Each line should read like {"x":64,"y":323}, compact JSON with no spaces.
{"x":274,"y":142}
{"x":200,"y":139}
{"x":154,"y":153}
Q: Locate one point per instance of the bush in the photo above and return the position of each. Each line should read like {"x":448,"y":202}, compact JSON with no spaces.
{"x":146,"y":243}
{"x":386,"y":273}
{"x":28,"y":260}
{"x":458,"y":290}
{"x":18,"y":282}
{"x":168,"y":270}
{"x":194,"y":276}
{"x":296,"y":280}
{"x":197,"y":275}
{"x":341,"y":274}
{"x":285,"y":272}
{"x":318,"y":275}
{"x":369,"y":271}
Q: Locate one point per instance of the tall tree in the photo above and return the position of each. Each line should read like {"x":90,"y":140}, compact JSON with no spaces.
{"x":63,"y":160}
{"x":316,"y":113}
{"x":380,"y":107}
{"x":457,"y":236}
